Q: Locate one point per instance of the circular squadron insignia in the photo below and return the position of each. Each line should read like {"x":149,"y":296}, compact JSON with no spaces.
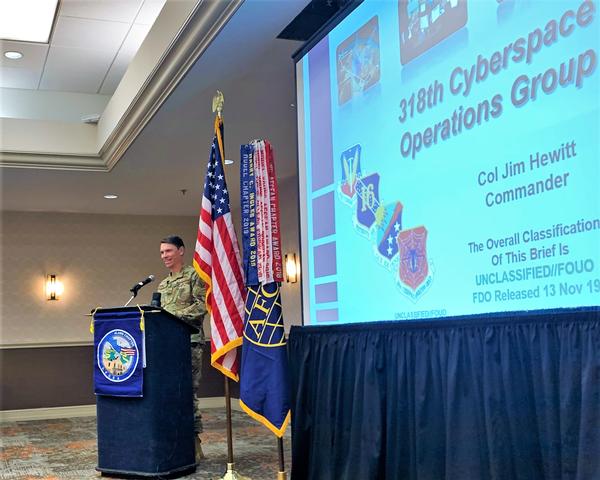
{"x":117,"y":355}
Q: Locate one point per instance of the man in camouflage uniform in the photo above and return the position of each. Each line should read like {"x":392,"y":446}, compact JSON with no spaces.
{"x":182,"y":294}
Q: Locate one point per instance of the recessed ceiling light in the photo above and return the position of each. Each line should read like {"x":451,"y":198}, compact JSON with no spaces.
{"x":13,"y":55}
{"x":228,"y":162}
{"x":111,"y":196}
{"x":27,"y":20}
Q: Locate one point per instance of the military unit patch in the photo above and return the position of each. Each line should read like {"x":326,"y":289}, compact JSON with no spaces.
{"x":350,"y":160}
{"x":117,"y":355}
{"x":367,"y":203}
{"x":414,"y":274}
{"x":119,"y":351}
{"x":401,"y":251}
{"x":389,"y":227}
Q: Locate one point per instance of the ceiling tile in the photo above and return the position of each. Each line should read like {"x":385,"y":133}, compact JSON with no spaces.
{"x":34,"y":54}
{"x":134,"y":39}
{"x":25,"y":72}
{"x":149,"y":11}
{"x":131,"y":45}
{"x":115,"y":74}
{"x":19,"y":78}
{"x":93,"y":34}
{"x":64,"y":70}
{"x":111,"y":10}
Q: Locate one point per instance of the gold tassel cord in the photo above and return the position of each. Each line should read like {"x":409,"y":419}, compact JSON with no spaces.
{"x":92,"y":321}
{"x":142,"y":322}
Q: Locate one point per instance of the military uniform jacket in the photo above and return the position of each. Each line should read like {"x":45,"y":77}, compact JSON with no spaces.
{"x":182,"y":294}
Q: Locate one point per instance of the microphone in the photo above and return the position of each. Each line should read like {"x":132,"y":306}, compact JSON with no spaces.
{"x":139,"y":285}
{"x":155,"y":299}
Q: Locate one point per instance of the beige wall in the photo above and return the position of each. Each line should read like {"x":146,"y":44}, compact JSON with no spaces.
{"x":98,"y":258}
{"x":290,"y":292}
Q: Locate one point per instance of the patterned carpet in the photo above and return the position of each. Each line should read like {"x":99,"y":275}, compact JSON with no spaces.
{"x":66,"y":449}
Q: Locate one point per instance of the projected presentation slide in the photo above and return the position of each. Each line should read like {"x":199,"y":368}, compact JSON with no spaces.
{"x":449,"y":160}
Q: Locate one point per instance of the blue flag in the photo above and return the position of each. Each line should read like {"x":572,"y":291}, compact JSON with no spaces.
{"x":264,"y":385}
{"x":118,"y":347}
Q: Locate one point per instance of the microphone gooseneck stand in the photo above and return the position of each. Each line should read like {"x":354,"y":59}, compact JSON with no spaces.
{"x":134,"y":290}
{"x":129,"y":301}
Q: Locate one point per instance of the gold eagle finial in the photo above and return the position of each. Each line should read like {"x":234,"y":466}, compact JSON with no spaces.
{"x":217,"y":103}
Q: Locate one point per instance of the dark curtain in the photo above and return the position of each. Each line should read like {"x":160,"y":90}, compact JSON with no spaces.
{"x":473,"y":398}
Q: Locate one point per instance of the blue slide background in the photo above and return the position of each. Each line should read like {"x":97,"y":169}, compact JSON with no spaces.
{"x":439,"y":188}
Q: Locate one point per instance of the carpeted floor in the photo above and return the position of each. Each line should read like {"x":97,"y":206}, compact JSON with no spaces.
{"x":66,"y":449}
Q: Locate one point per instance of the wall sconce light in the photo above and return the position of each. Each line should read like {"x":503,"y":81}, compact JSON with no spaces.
{"x":292,"y":270}
{"x":54,"y":288}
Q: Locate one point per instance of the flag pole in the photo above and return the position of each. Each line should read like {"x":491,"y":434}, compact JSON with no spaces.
{"x":229,"y":427}
{"x":230,"y":474}
{"x":281,"y":474}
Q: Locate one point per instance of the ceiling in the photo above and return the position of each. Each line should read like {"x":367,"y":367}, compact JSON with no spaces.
{"x":255,"y":72}
{"x":91,"y":45}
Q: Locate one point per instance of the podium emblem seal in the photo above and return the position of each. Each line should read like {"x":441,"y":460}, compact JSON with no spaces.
{"x":117,"y":355}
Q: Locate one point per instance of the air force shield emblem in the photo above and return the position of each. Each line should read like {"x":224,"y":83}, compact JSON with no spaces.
{"x":414,"y":275}
{"x":350,"y":160}
{"x":389,"y":226}
{"x":367,"y":203}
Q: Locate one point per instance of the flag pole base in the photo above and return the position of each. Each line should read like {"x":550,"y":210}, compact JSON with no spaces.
{"x":231,"y":474}
{"x":282,"y":475}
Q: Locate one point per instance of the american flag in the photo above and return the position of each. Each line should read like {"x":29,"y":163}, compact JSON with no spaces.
{"x":217,"y":261}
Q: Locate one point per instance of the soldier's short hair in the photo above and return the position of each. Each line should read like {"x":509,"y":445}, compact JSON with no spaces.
{"x":173,"y":240}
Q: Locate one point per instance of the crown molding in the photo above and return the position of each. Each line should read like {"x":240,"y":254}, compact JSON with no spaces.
{"x":52,"y":161}
{"x":204,"y":23}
